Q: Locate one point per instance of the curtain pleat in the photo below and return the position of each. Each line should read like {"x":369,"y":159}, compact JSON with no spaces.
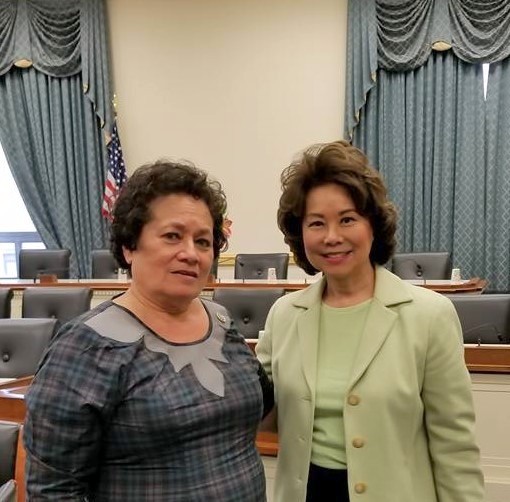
{"x":51,"y":134}
{"x":497,"y":231}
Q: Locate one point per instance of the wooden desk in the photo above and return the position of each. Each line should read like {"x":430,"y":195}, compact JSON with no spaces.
{"x":474,"y":285}
{"x":487,"y":358}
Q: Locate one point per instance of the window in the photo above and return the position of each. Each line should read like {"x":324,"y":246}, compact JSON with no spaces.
{"x":485,"y":68}
{"x":16,"y":228}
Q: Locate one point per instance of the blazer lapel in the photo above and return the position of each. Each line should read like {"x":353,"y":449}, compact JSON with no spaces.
{"x":377,"y":328}
{"x":308,"y":331}
{"x":388,"y":291}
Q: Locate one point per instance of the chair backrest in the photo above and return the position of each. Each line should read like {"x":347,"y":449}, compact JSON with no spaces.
{"x":22,"y":343}
{"x":422,"y":265}
{"x":5,"y":302}
{"x":104,"y":265}
{"x":9,"y":432}
{"x":256,"y":265}
{"x":484,"y":318}
{"x":8,"y":491}
{"x":248,"y":308}
{"x":33,"y":262}
{"x":62,"y":303}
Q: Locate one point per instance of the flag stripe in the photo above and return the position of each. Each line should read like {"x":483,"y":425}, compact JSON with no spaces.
{"x":116,"y":176}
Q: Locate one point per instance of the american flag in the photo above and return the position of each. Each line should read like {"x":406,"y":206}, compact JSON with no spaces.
{"x":116,"y":174}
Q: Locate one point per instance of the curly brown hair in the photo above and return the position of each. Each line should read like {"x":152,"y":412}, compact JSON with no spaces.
{"x":131,"y":211}
{"x":342,"y":164}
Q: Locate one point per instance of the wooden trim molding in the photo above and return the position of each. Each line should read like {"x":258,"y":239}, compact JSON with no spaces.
{"x":487,"y":358}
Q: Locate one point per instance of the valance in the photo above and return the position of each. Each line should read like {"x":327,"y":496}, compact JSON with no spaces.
{"x":399,"y":35}
{"x":477,"y":30}
{"x":60,"y":38}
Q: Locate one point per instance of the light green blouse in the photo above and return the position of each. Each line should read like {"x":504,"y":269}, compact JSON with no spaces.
{"x":339,"y":334}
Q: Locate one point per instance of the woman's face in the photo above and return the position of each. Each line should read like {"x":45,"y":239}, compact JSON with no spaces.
{"x":174,"y":252}
{"x":336,"y":238}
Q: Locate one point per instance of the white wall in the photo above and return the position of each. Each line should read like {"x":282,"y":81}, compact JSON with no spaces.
{"x":236,"y":86}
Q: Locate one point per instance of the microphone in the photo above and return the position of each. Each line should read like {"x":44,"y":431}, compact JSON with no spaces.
{"x":406,"y":270}
{"x":485,"y":333}
{"x":241,"y":265}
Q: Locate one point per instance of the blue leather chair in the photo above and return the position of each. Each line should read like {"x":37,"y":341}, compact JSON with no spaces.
{"x":61,"y":303}
{"x":9,"y":432}
{"x":104,"y":265}
{"x":22,"y":343}
{"x":484,"y":318}
{"x":34,"y":262}
{"x":248,"y":307}
{"x":422,"y":265}
{"x":5,"y":302}
{"x":256,"y":265}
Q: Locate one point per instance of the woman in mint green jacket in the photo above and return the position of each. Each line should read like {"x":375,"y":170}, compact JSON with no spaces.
{"x":373,"y":396}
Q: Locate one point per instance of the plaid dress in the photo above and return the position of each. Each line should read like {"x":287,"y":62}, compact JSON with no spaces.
{"x":115,"y":413}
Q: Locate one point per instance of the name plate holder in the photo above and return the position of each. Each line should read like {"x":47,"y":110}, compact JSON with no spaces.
{"x":47,"y":278}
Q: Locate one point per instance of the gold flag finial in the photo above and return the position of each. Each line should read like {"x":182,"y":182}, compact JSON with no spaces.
{"x":114,"y":103}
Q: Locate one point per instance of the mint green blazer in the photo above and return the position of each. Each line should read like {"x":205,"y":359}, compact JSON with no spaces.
{"x":409,"y":418}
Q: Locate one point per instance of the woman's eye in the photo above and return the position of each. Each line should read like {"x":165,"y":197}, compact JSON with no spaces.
{"x":315,"y":223}
{"x":204,"y":243}
{"x":171,"y":236}
{"x":346,"y":220}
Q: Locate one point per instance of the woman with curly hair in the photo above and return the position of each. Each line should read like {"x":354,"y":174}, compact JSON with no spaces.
{"x":153,"y":396}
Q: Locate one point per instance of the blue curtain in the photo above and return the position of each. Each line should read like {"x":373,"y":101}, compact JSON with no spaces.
{"x":57,"y":117}
{"x":51,"y":137}
{"x":496,"y":234}
{"x":425,"y":130}
{"x":421,"y":117}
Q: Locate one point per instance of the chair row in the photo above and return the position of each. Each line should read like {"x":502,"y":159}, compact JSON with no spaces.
{"x":430,"y":265}
{"x":48,"y":302}
{"x":249,"y":308}
{"x":22,"y":341}
{"x":34,"y":262}
{"x":484,"y":318}
{"x":246,"y":266}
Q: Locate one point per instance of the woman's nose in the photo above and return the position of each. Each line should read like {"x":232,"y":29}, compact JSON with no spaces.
{"x":333,"y":235}
{"x":188,"y":250}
